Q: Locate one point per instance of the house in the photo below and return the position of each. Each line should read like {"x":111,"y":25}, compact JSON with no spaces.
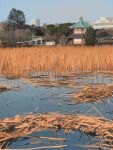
{"x":37,"y":40}
{"x":77,"y":32}
{"x":104,"y":30}
{"x":24,"y":43}
{"x":50,"y":43}
{"x":41,"y":41}
{"x":104,"y":36}
{"x":103,"y":23}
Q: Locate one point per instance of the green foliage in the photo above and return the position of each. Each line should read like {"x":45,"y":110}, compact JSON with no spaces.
{"x":16,"y":18}
{"x":60,"y":29}
{"x":90,"y":36}
{"x":63,"y":40}
{"x":37,"y":30}
{"x":58,"y":32}
{"x":51,"y":30}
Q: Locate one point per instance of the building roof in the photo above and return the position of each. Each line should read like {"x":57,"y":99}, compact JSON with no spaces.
{"x":103,"y":23}
{"x":80,"y":25}
{"x":75,"y":36}
{"x":104,"y":33}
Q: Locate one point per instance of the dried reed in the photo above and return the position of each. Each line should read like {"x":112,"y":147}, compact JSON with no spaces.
{"x":23,"y":126}
{"x":22,"y":61}
{"x":95,"y":93}
{"x":51,"y":82}
{"x":4,"y":87}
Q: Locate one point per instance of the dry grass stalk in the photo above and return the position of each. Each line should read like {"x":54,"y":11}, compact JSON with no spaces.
{"x":51,"y":147}
{"x":4,"y":87}
{"x":22,"y":126}
{"x":94,"y":93}
{"x":98,"y":145}
{"x":22,"y":61}
{"x":51,"y":82}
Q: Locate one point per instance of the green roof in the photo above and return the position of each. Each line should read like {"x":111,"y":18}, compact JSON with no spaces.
{"x":80,"y":25}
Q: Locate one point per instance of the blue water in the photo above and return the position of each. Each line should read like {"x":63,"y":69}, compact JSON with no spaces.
{"x":41,"y":99}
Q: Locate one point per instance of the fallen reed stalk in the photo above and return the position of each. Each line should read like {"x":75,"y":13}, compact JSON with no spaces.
{"x":51,"y":147}
{"x":23,"y":126}
{"x":51,"y":82}
{"x":94,"y":93}
{"x":4,"y":87}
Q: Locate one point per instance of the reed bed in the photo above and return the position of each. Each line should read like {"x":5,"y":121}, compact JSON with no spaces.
{"x":23,"y":61}
{"x":94,"y":93}
{"x":23,"y":126}
{"x":51,"y":82}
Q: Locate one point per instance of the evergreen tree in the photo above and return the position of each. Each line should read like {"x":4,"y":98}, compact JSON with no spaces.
{"x":16,"y":18}
{"x":90,"y":36}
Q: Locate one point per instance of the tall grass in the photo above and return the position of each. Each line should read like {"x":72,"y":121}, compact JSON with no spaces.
{"x":20,"y":61}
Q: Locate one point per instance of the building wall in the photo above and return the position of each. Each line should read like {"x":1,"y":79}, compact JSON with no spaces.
{"x":77,"y":41}
{"x":35,"y":22}
{"x":37,"y":40}
{"x":51,"y":43}
{"x":79,"y":31}
{"x":103,"y":23}
{"x":104,"y":26}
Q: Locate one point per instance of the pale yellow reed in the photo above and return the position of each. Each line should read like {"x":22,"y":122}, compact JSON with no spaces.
{"x":21,"y":61}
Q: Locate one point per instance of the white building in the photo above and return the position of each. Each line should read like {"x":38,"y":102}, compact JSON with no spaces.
{"x":50,"y":43}
{"x":77,"y":32}
{"x":35,"y":22}
{"x":37,"y":41}
{"x":103,"y":23}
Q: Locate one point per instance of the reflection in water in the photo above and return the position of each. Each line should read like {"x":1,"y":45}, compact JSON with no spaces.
{"x":43,"y":80}
{"x":52,"y":93}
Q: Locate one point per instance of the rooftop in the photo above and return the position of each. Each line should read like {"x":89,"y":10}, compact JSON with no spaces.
{"x":103,"y":23}
{"x":75,"y":36}
{"x":80,"y":25}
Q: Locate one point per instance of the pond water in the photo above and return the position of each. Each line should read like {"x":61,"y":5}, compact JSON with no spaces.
{"x":42,"y":94}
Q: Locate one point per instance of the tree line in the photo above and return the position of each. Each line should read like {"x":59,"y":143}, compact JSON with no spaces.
{"x":15,"y":30}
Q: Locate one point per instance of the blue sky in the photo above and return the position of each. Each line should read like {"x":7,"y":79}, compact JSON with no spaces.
{"x":56,"y":11}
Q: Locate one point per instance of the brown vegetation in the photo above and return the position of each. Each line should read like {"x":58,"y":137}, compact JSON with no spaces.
{"x":5,"y":87}
{"x":22,"y":61}
{"x":23,"y":126}
{"x":95,"y":93}
{"x":49,"y":81}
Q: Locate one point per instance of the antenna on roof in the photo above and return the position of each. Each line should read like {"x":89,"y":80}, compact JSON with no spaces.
{"x":81,"y":18}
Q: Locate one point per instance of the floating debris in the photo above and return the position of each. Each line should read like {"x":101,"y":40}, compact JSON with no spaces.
{"x":59,"y":104}
{"x":51,"y":82}
{"x":24,"y":126}
{"x":95,"y":93}
{"x":4,"y":87}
